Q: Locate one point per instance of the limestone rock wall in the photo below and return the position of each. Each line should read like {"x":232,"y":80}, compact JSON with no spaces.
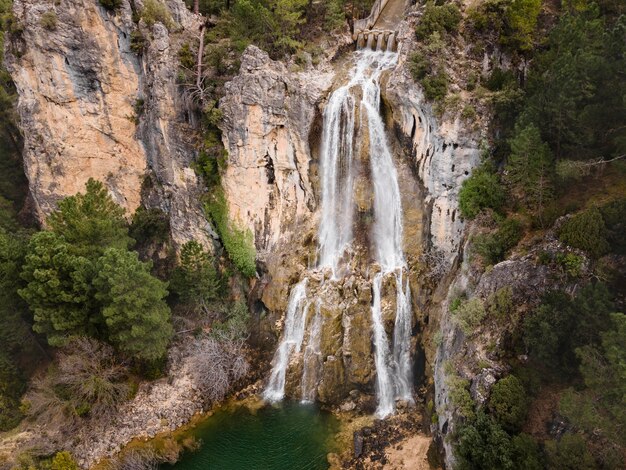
{"x":268,"y":115}
{"x":444,"y":151}
{"x":90,"y":107}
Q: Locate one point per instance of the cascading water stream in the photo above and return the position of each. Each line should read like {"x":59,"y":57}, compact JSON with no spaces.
{"x":312,"y":357}
{"x":393,"y":364}
{"x":295,"y":322}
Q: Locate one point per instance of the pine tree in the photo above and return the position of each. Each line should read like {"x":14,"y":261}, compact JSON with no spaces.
{"x":530,"y":167}
{"x":137,"y":317}
{"x":91,"y":222}
{"x":58,"y":289}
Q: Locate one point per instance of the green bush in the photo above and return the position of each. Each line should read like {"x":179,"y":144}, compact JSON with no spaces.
{"x":150,"y":226}
{"x":493,"y":248}
{"x":436,"y":85}
{"x":460,"y":398}
{"x":419,"y":65}
{"x":196,"y":280}
{"x":501,"y":304}
{"x":154,"y":11}
{"x":438,"y":18}
{"x":483,"y":444}
{"x":111,"y":5}
{"x":614,"y":215}
{"x":508,"y":403}
{"x":138,"y":41}
{"x":235,"y":326}
{"x":586,"y":231}
{"x":480,"y":191}
{"x":239,"y":244}
{"x":554,"y":330}
{"x":49,"y":20}
{"x":469,"y":315}
{"x":63,"y":461}
{"x":568,"y":453}
{"x":570,"y":263}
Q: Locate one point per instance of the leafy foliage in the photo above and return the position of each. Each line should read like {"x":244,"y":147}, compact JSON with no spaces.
{"x":562,"y":324}
{"x":63,"y":461}
{"x":480,"y":191}
{"x":530,"y":167}
{"x":569,"y":452}
{"x":494,"y":247}
{"x":600,"y":404}
{"x":155,"y":11}
{"x":438,"y":18}
{"x":238,"y":243}
{"x":508,"y":403}
{"x":586,"y":231}
{"x":469,"y":315}
{"x":482,"y":443}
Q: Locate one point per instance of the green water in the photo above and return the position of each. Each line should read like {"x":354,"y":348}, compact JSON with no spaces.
{"x":286,"y":437}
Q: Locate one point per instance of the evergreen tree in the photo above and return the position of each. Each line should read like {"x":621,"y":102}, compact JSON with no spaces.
{"x":508,"y":403}
{"x":196,"y":280}
{"x":530,"y":167}
{"x":91,"y":222}
{"x":137,"y":317}
{"x":58,"y":288}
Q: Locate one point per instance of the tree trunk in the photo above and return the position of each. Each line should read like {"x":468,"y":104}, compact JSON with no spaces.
{"x":199,"y":69}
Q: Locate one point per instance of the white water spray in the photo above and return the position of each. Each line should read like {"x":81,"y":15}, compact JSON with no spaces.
{"x":393,"y":366}
{"x":295,"y":321}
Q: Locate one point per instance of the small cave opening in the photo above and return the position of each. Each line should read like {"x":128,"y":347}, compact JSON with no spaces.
{"x":413,"y":128}
{"x":269,"y":170}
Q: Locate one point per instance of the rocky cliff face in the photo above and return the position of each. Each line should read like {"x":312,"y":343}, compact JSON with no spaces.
{"x":268,"y":115}
{"x":89,"y":107}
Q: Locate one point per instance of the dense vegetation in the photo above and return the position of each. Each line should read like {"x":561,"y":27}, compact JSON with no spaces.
{"x":555,"y":167}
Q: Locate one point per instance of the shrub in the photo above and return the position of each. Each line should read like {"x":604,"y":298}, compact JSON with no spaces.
{"x":469,"y":314}
{"x":469,"y":112}
{"x":239,"y":244}
{"x":150,"y":225}
{"x":196,"y":280}
{"x":87,"y":381}
{"x":111,"y":5}
{"x":570,"y":263}
{"x":460,"y":398}
{"x":501,"y":304}
{"x":586,"y":231}
{"x":569,"y":452}
{"x":438,"y":18}
{"x":480,"y":191}
{"x":49,"y":20}
{"x":508,"y":403}
{"x":138,"y":41}
{"x":483,"y":444}
{"x":235,"y":326}
{"x":494,"y":247}
{"x":436,"y":85}
{"x":419,"y":65}
{"x":154,"y":11}
{"x":63,"y":461}
{"x":186,"y":56}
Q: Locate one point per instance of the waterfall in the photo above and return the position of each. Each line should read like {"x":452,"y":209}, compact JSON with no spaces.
{"x":384,"y":385}
{"x":295,"y":321}
{"x":335,"y":236}
{"x":387,"y":235}
{"x":312,"y":357}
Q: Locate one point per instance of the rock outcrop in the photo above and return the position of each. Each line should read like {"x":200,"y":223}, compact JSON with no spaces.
{"x":90,"y":107}
{"x":268,"y":115}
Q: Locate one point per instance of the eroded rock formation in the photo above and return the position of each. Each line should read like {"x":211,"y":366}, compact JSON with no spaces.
{"x":90,"y":107}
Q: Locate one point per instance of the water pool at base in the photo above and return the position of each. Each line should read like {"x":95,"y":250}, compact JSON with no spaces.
{"x":283,"y":437}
